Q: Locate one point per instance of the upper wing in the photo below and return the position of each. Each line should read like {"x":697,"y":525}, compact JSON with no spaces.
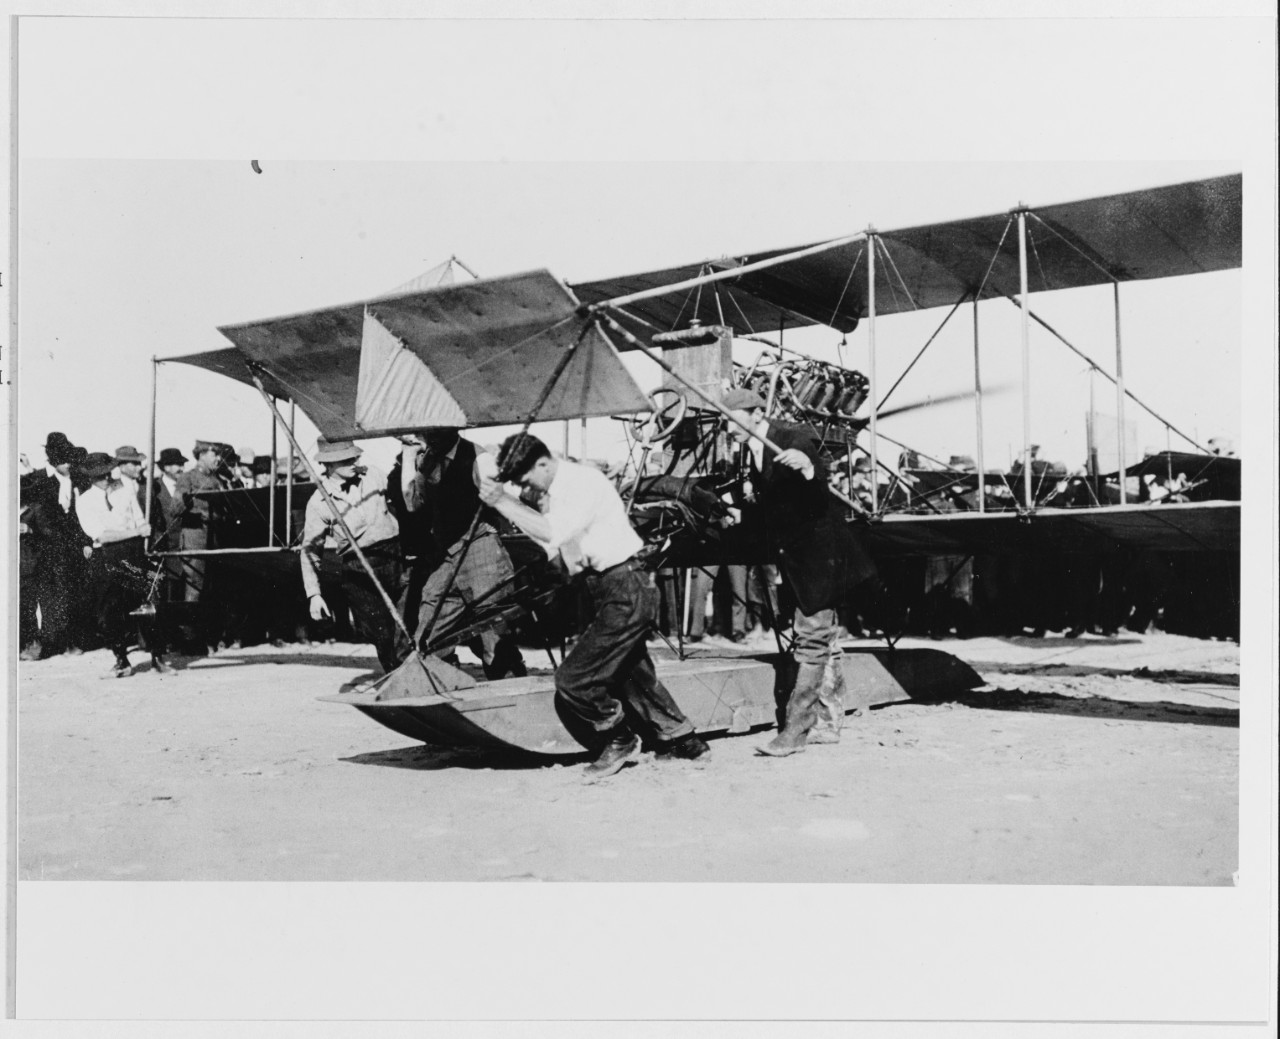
{"x":1155,"y":233}
{"x":480,"y":353}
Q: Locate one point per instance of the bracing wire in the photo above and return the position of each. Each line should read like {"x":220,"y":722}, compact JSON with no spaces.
{"x":835,"y":311}
{"x":1072,"y":246}
{"x":884,"y":250}
{"x":1039,"y":265}
{"x":994,"y":256}
{"x":734,"y":300}
{"x":889,"y":281}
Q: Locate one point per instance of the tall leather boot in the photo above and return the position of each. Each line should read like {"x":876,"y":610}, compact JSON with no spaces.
{"x":829,"y":710}
{"x":801,"y":713}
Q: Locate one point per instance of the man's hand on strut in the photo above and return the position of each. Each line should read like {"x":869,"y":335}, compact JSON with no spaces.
{"x":491,"y":492}
{"x":319,"y":608}
{"x":485,"y":474}
{"x":793,"y":458}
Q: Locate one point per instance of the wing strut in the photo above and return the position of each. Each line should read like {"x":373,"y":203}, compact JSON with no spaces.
{"x":437,"y":687}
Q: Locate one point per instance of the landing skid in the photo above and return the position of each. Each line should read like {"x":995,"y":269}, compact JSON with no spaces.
{"x":725,"y":695}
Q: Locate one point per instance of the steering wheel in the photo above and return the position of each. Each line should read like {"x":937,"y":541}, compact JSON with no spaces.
{"x":669,"y":407}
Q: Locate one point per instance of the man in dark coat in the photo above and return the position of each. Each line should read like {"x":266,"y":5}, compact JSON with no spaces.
{"x":436,"y":492}
{"x":821,"y":558}
{"x":39,"y":528}
{"x":59,"y":574}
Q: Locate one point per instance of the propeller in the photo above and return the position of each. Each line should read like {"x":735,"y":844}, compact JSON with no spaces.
{"x":929,"y":402}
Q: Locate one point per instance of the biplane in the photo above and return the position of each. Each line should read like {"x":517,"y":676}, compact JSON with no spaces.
{"x":528,"y":348}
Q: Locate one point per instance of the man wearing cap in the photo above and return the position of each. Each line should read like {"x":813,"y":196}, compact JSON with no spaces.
{"x":242,"y":470}
{"x":109,"y":513}
{"x":608,"y":673}
{"x":193,"y":532}
{"x":359,"y":493}
{"x":436,"y":489}
{"x":820,"y":557}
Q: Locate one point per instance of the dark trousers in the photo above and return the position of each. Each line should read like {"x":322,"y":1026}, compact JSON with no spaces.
{"x":609,"y":672}
{"x":117,"y":585}
{"x":28,"y":573}
{"x":60,"y":588}
{"x":481,"y":574}
{"x":372,"y":621}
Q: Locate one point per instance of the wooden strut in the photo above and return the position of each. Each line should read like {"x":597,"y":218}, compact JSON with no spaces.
{"x":715,"y":405}
{"x":561,"y":365}
{"x":1094,"y":366}
{"x":351,"y":539}
{"x":732,"y":272}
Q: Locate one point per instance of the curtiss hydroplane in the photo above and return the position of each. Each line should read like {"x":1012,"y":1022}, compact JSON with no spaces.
{"x":528,"y":348}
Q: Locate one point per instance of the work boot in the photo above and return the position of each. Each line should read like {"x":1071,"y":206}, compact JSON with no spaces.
{"x":120,"y":669}
{"x":829,"y":710}
{"x":161,"y":666}
{"x":801,"y":713}
{"x":684,"y":748}
{"x":622,"y":748}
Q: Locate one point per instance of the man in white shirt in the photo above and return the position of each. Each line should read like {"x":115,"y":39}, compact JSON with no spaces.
{"x":360,"y":495}
{"x":608,"y":673}
{"x":109,"y":514}
{"x":129,"y":471}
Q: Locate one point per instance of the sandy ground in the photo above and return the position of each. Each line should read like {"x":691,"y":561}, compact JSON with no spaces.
{"x":1093,"y":761}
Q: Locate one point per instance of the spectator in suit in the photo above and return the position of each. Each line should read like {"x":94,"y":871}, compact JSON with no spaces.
{"x":193,"y":535}
{"x":59,"y":577}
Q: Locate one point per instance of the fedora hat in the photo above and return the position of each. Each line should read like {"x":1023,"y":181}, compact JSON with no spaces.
{"x":58,"y":449}
{"x":96,"y":465}
{"x":336,"y":451}
{"x":128,"y":453}
{"x":171,"y":456}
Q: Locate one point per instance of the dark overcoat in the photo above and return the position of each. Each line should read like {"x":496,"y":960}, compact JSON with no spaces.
{"x":821,"y":556}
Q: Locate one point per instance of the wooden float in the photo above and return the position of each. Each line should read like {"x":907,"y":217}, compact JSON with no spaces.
{"x":728,"y":694}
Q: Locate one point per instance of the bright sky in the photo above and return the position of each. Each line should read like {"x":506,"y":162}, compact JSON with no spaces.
{"x":122,"y":257}
{"x":122,"y":261}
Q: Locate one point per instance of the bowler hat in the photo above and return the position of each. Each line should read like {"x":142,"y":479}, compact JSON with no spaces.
{"x":96,"y":465}
{"x":171,"y":456}
{"x":261,"y":465}
{"x":740,"y":399}
{"x":58,"y":449}
{"x":129,"y":453}
{"x":336,"y":450}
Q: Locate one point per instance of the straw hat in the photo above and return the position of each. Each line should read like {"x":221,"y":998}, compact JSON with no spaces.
{"x":337,"y":450}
